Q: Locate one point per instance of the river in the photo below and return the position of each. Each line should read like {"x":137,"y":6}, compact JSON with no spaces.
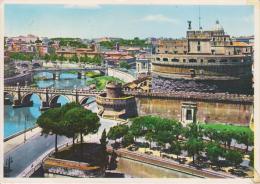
{"x":17,"y":119}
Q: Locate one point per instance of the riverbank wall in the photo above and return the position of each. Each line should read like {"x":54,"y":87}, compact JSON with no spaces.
{"x":207,"y":112}
{"x":168,"y":164}
{"x":126,"y":77}
{"x":21,"y":78}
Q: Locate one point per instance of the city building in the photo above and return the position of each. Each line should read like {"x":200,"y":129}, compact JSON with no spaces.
{"x":92,"y":51}
{"x":113,"y":58}
{"x":205,"y":61}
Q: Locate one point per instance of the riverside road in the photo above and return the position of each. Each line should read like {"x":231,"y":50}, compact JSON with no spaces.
{"x":27,"y":153}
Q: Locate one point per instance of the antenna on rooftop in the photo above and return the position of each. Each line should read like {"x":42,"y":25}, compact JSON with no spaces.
{"x":200,"y":27}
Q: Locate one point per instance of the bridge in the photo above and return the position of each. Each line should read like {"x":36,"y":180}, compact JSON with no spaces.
{"x":81,"y":71}
{"x":21,"y":95}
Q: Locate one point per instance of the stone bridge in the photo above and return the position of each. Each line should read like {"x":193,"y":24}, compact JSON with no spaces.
{"x":29,"y":64}
{"x":21,"y":96}
{"x":81,"y":71}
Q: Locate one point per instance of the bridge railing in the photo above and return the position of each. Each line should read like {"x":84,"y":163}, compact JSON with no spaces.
{"x":52,"y":90}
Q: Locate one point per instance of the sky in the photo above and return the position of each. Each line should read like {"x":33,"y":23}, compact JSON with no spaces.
{"x":125,"y":21}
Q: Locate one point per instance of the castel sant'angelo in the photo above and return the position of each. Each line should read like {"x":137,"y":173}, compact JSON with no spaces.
{"x":204,"y":61}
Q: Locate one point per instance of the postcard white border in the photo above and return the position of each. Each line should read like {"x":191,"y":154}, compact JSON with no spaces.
{"x":255,"y":3}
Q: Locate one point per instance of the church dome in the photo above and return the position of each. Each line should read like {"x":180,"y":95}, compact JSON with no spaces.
{"x":218,"y":27}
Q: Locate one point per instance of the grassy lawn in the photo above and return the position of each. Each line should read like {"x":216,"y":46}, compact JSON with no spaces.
{"x":101,"y":81}
{"x":92,"y":74}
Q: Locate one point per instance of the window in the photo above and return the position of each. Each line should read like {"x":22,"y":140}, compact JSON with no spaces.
{"x":201,"y":60}
{"x":198,"y":42}
{"x":165,"y":59}
{"x":211,"y":61}
{"x":198,"y":48}
{"x":166,"y":52}
{"x":192,"y":61}
{"x":184,"y":60}
{"x":188,"y":114}
{"x":158,"y":59}
{"x":175,"y":60}
{"x":223,"y":61}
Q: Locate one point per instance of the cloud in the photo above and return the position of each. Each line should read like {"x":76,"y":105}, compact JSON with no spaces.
{"x":82,"y":6}
{"x":159,"y":18}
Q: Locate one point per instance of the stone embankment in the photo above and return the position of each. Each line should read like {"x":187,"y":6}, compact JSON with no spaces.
{"x":169,"y":164}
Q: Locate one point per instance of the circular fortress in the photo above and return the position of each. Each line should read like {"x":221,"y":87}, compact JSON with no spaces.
{"x":202,"y":73}
{"x":204,"y":61}
{"x":114,"y":104}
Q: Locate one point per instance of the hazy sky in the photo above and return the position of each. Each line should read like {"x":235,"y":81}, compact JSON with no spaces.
{"x":125,"y":21}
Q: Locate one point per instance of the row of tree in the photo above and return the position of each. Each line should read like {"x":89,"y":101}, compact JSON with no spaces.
{"x":172,"y":135}
{"x":97,"y":60}
{"x":72,"y":42}
{"x":71,"y":120}
{"x":228,"y":133}
{"x":137,"y":42}
{"x":22,"y":56}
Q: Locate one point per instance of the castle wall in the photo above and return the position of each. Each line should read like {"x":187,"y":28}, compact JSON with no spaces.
{"x":207,"y":111}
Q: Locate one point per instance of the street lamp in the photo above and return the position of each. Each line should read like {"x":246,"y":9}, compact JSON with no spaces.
{"x":25,"y":121}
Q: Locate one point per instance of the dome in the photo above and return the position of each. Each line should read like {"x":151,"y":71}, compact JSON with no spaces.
{"x":218,"y":27}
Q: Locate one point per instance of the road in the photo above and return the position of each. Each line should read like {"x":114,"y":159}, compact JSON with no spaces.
{"x":28,"y":152}
{"x":25,"y":154}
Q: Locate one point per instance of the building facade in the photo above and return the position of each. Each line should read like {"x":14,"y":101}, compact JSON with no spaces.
{"x":207,"y":61}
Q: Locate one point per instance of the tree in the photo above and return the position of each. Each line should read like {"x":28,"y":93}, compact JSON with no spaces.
{"x":103,"y":139}
{"x":246,"y":138}
{"x":85,"y":121}
{"x":47,"y":57}
{"x":124,"y":64}
{"x":74,"y":58}
{"x":50,"y":122}
{"x":251,"y":157}
{"x":38,"y":41}
{"x":176,"y":148}
{"x":82,"y":121}
{"x":234,"y":157}
{"x":194,"y":146}
{"x":70,"y":129}
{"x":128,"y":139}
{"x":214,"y":151}
{"x":117,"y":132}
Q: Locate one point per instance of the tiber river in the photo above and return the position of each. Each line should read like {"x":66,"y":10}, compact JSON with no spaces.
{"x":16,"y":120}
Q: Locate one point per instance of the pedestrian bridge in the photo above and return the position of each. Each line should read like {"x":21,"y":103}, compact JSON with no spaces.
{"x":21,"y":95}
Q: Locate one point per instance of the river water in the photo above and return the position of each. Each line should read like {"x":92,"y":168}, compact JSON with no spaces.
{"x":17,"y":119}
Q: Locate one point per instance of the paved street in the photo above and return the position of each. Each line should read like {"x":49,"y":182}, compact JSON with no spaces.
{"x":25,"y":154}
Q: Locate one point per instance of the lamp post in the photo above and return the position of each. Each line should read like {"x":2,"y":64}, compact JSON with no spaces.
{"x":8,"y":162}
{"x":25,"y":121}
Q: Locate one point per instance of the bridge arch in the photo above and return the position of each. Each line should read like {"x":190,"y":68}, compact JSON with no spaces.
{"x":26,"y":99}
{"x":25,"y":65}
{"x":8,"y":98}
{"x":6,"y":94}
{"x":54,"y":100}
{"x":36,"y":65}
